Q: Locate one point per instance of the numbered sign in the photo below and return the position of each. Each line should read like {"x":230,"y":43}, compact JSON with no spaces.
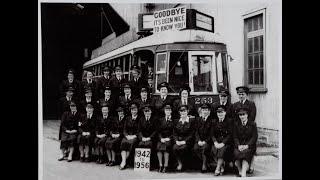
{"x":142,"y":159}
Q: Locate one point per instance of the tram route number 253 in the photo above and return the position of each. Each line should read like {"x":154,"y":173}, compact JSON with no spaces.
{"x":203,"y":100}
{"x":142,"y":159}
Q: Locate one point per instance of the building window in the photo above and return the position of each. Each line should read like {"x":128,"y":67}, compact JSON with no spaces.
{"x":254,"y":43}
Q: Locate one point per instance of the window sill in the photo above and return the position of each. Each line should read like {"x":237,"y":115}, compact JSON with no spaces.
{"x":258,"y":90}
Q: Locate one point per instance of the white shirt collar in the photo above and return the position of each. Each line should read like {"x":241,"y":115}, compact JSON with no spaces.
{"x":87,"y":99}
{"x":245,"y":122}
{"x":134,"y":117}
{"x":168,"y":117}
{"x":90,"y":115}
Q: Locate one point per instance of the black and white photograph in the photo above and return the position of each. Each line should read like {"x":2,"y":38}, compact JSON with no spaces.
{"x":160,"y":89}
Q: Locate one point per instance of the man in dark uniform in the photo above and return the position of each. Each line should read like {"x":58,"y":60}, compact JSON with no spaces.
{"x":88,"y":100}
{"x":150,"y":85}
{"x":86,"y":132}
{"x":158,"y":102}
{"x":245,"y":138}
{"x":127,"y":98}
{"x":143,"y":99}
{"x":65,"y":101}
{"x":223,"y":100}
{"x":242,"y":92}
{"x":90,"y":83}
{"x":116,"y":82}
{"x":103,"y":81}
{"x":137,"y":81}
{"x":243,"y":102}
{"x":70,"y":81}
{"x":69,"y":130}
{"x":184,"y":99}
{"x":107,"y":98}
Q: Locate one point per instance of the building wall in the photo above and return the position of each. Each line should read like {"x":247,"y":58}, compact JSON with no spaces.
{"x":228,"y":16}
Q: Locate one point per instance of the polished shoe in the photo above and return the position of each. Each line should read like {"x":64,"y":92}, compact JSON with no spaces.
{"x":238,"y":175}
{"x":204,"y":170}
{"x":122,"y":168}
{"x":61,"y":158}
{"x":164,"y":170}
{"x":108,"y":163}
{"x":160,"y":169}
{"x":112,"y":163}
{"x":81,"y":159}
{"x":86,"y":159}
{"x":217,"y":173}
{"x":69,"y":160}
{"x":250,"y":171}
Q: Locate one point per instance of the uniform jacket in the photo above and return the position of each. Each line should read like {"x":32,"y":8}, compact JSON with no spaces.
{"x":191,"y":106}
{"x":203,"y":130}
{"x":158,"y":105}
{"x":116,"y":126}
{"x":116,"y":86}
{"x":245,"y":135}
{"x":131,"y":127}
{"x":136,"y":86}
{"x":64,"y":105}
{"x":92,"y":86}
{"x":222,"y":131}
{"x":186,"y":131}
{"x":103,"y":125}
{"x":87,"y":125}
{"x":248,"y":104}
{"x":102,"y":82}
{"x":165,"y":128}
{"x":148,"y":128}
{"x":65,"y":85}
{"x":214,"y":109}
{"x":69,"y":121}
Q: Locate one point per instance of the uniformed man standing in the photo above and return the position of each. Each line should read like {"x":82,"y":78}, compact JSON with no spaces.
{"x":223,"y":100}
{"x":103,"y":81}
{"x":242,"y":92}
{"x":137,"y":81}
{"x":116,"y":83}
{"x":90,"y":83}
{"x":70,"y":81}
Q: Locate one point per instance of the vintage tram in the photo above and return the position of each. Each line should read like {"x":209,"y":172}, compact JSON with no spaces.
{"x":194,"y":57}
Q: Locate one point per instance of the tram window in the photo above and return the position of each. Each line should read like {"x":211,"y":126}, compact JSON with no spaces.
{"x":126,"y":63}
{"x":161,"y":73}
{"x":178,"y":70}
{"x":202,"y":73}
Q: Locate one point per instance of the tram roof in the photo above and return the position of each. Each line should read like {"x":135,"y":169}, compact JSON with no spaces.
{"x":166,"y":37}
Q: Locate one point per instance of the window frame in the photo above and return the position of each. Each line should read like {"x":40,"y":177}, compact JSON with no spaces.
{"x":213,"y":75}
{"x":156,"y":69}
{"x":260,"y":88}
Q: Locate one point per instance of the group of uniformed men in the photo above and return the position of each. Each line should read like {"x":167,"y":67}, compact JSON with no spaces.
{"x":103,"y":117}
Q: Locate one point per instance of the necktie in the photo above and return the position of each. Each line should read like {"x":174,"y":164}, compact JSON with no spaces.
{"x":73,"y":113}
{"x":88,"y":116}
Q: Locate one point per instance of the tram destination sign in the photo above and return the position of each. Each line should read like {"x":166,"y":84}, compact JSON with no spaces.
{"x":169,"y":19}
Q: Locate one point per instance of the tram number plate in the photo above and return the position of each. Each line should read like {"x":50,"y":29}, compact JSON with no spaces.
{"x":142,"y":159}
{"x":203,"y":100}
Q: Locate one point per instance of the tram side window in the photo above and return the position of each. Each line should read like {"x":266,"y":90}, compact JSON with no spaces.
{"x":178,"y":71}
{"x":161,"y":73}
{"x":202,"y":73}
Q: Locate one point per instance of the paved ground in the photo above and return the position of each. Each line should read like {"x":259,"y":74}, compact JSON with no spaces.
{"x":266,"y":164}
